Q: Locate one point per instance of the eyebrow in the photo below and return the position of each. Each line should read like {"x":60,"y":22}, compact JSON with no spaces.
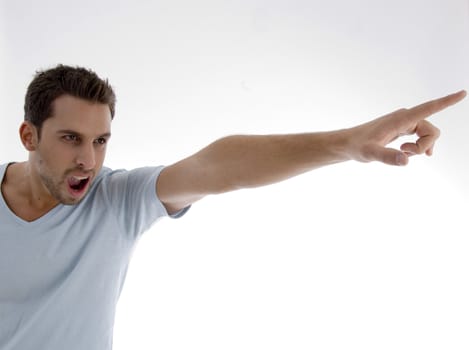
{"x":71,"y":132}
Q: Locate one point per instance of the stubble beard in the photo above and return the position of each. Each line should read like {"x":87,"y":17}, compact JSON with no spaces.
{"x":54,"y":188}
{"x":57,"y":189}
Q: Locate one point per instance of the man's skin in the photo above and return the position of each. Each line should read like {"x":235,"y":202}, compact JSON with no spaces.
{"x":71,"y":146}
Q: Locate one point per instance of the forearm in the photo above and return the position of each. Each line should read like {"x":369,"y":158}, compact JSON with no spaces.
{"x":240,"y":161}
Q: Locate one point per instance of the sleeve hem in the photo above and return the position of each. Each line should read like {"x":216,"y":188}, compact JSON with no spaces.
{"x":180,"y":213}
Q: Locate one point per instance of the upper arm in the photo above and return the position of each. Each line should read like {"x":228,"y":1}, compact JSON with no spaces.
{"x":180,"y":184}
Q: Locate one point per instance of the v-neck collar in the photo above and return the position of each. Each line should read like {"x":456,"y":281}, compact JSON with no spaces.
{"x":5,"y":208}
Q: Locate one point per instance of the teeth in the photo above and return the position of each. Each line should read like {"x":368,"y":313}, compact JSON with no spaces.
{"x":79,"y":178}
{"x":75,"y":180}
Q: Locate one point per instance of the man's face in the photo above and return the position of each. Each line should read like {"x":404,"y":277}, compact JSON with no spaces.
{"x":72,"y":147}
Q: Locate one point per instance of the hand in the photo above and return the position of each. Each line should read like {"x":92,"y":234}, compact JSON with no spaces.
{"x":368,"y":141}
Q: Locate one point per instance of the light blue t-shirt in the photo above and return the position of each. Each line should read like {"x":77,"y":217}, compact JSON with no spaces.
{"x":61,"y":275}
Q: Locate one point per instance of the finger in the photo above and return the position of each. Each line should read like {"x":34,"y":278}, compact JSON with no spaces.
{"x":429,"y":151}
{"x":407,"y":147}
{"x":386,"y":155}
{"x":426,"y":109}
{"x":423,"y":145}
{"x":428,"y":134}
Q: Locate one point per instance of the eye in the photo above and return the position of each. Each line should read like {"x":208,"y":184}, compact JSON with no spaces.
{"x":71,"y":138}
{"x":101,"y":141}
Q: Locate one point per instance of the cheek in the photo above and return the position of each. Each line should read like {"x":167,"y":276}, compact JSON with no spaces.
{"x":55,"y":157}
{"x":100,"y":156}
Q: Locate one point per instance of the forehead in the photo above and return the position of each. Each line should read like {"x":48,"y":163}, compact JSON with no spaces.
{"x":79,"y":115}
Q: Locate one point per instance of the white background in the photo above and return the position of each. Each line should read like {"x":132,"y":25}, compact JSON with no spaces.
{"x":352,"y":256}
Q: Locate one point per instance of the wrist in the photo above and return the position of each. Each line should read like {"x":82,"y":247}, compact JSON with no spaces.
{"x":341,"y":144}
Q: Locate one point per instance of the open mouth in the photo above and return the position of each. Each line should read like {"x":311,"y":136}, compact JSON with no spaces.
{"x":77,"y":184}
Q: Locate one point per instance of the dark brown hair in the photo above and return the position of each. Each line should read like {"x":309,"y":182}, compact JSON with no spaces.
{"x":50,"y":84}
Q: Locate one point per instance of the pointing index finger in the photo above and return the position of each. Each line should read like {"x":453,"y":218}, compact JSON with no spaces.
{"x":426,"y":109}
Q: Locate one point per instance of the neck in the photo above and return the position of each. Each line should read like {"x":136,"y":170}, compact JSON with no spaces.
{"x":25,"y":193}
{"x":37,"y":194}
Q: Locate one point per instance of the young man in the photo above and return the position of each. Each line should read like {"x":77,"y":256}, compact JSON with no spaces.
{"x":68,"y":224}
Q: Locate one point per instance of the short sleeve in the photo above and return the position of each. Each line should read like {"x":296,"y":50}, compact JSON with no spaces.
{"x":132,"y":196}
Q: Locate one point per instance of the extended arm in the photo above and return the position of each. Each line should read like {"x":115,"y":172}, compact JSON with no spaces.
{"x":240,"y":161}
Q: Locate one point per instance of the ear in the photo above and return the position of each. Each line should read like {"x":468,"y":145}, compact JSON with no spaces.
{"x":29,"y":136}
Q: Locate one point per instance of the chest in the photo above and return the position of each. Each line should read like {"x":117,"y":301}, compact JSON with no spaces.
{"x":71,"y":255}
{"x":21,"y":207}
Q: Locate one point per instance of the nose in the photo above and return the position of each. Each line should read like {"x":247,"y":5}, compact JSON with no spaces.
{"x":86,"y":158}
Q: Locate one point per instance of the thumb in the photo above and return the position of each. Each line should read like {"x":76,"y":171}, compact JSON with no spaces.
{"x":388,"y":156}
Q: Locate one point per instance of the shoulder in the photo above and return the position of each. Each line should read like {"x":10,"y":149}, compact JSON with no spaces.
{"x":127,"y":180}
{"x":11,"y":176}
{"x":138,"y":173}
